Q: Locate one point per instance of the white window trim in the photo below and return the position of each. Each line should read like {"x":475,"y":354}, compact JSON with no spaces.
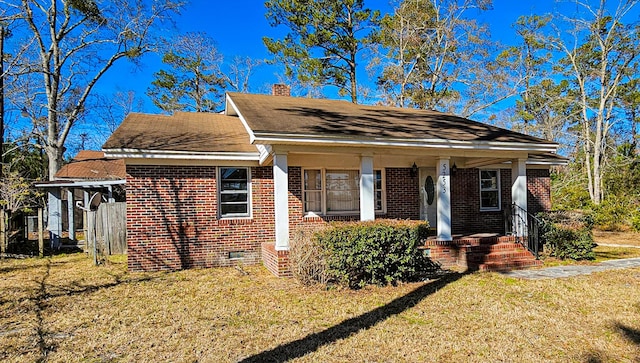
{"x":323,"y":193}
{"x":499,"y":187}
{"x":249,"y":213}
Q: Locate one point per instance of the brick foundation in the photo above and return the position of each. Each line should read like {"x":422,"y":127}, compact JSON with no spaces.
{"x":277,"y":262}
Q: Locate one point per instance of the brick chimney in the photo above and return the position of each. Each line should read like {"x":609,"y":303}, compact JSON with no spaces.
{"x":281,"y":90}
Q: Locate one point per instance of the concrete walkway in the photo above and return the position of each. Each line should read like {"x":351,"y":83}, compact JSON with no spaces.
{"x":573,"y":270}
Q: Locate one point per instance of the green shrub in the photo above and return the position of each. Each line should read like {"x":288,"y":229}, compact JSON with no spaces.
{"x":378,"y":252}
{"x":568,"y":235}
{"x":635,"y":221}
{"x":614,"y":213}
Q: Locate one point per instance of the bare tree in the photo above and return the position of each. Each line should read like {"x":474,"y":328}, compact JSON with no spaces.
{"x":75,"y":43}
{"x":437,"y":56}
{"x":239,"y":73}
{"x":599,"y":55}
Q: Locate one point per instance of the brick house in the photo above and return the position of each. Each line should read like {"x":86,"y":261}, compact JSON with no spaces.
{"x":209,"y":189}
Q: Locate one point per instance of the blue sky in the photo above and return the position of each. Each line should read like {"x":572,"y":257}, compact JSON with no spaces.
{"x":238,"y":27}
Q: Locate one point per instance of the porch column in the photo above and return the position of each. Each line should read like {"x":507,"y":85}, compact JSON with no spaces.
{"x":367,"y":198}
{"x":281,"y":199}
{"x":55,"y":218}
{"x":444,"y":200}
{"x":71,"y":215}
{"x":519,"y":195}
{"x":85,"y":218}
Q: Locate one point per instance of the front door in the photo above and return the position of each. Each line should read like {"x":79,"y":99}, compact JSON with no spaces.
{"x":428,"y":200}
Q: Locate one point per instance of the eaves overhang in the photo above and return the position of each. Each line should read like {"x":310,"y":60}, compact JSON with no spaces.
{"x":180,"y":155}
{"x":297,"y":139}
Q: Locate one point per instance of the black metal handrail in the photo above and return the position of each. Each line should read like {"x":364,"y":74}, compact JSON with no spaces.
{"x":525,"y":227}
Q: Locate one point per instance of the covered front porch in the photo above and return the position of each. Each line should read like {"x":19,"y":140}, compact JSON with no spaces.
{"x":464,"y":198}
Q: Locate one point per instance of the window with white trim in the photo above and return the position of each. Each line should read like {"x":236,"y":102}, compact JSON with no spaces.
{"x":234,"y":198}
{"x":489,"y":190}
{"x":337,"y":191}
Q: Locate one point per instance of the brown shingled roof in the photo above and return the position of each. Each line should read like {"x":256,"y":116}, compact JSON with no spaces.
{"x":331,"y":118}
{"x":182,"y":131}
{"x":92,"y":165}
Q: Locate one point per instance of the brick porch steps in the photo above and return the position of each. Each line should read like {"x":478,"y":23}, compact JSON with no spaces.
{"x":482,"y":252}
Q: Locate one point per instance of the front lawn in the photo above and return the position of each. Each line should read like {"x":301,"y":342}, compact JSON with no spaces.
{"x":63,"y":309}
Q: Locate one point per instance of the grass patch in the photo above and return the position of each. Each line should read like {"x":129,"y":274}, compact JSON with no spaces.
{"x":64,"y":309}
{"x":617,"y":238}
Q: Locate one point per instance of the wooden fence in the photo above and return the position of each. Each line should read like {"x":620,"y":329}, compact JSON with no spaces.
{"x":107,"y":230}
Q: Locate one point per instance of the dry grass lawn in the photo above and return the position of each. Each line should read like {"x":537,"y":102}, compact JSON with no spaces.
{"x":63,"y":309}
{"x":618,"y":238}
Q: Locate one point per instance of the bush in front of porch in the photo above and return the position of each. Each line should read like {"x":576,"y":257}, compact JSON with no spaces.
{"x":355,"y":254}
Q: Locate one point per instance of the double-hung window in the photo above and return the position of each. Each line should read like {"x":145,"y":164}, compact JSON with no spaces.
{"x":234,"y":198}
{"x":489,"y":190}
{"x":337,"y":191}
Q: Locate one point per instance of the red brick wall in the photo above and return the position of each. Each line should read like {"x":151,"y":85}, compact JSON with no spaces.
{"x":538,"y":191}
{"x":403,"y":195}
{"x":172,"y":219}
{"x":277,"y":262}
{"x":465,"y":203}
{"x":465,"y":199}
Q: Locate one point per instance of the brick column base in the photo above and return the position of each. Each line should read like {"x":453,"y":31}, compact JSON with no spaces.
{"x":277,"y":262}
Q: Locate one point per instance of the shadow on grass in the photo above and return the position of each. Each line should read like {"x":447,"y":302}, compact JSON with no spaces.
{"x":301,"y":347}
{"x":631,"y":334}
{"x":45,"y":292}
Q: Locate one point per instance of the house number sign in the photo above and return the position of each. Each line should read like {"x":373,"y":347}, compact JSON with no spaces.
{"x":445,"y":169}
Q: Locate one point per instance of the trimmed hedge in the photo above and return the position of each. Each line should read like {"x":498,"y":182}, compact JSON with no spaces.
{"x":355,"y":254}
{"x":568,"y":235}
{"x":377,"y":252}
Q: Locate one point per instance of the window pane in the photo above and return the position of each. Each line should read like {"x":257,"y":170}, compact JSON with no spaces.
{"x":233,"y":209}
{"x":312,"y":180}
{"x":378,"y":189}
{"x":313,"y":202}
{"x":234,"y":191}
{"x":233,"y":173}
{"x":489,"y":199}
{"x":343,"y":192}
{"x":343,"y":201}
{"x":227,"y":185}
{"x":489,"y":179}
{"x":378,"y":200}
{"x":233,"y":197}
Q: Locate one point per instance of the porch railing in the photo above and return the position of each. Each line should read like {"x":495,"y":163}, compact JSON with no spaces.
{"x":525,"y":227}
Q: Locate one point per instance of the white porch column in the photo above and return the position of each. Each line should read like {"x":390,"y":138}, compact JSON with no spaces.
{"x":519,"y":195}
{"x":71,"y":215}
{"x":281,"y":199}
{"x":367,"y":190}
{"x":443,"y":189}
{"x":54,"y":220}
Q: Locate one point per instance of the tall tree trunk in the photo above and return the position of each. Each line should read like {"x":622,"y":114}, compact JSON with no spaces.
{"x":55,"y":156}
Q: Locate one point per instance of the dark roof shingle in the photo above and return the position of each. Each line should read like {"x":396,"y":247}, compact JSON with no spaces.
{"x":182,"y":131}
{"x":332,"y":118}
{"x":92,"y":165}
